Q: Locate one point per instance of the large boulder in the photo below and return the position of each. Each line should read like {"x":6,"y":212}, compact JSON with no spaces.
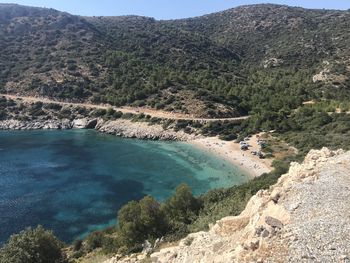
{"x":80,"y":123}
{"x":91,"y":124}
{"x":84,"y":123}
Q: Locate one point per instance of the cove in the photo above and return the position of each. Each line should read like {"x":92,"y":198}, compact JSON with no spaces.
{"x":74,"y":181}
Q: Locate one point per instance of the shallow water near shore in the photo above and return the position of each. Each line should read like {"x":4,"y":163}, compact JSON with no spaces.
{"x":74,"y":181}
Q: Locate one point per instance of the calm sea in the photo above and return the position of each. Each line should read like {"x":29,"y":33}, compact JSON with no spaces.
{"x":74,"y":182}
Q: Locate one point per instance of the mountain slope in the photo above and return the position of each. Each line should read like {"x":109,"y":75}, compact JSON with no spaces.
{"x":298,"y":36}
{"x":222,"y":64}
{"x":48,"y":52}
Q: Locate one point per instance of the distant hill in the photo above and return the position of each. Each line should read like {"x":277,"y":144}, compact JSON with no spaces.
{"x":223,"y":64}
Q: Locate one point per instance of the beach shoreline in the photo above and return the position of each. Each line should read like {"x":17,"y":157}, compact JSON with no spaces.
{"x":230,"y":151}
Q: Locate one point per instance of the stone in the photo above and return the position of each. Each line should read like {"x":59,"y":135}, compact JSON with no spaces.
{"x":80,"y":123}
{"x":275,"y":197}
{"x":146,"y":247}
{"x":273,"y":222}
{"x":217,"y":246}
{"x":259,"y":230}
{"x":344,"y":258}
{"x":265,"y":233}
{"x":230,"y":224}
{"x":254,"y":245}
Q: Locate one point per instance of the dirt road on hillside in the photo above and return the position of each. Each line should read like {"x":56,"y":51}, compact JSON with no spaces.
{"x":151,"y":112}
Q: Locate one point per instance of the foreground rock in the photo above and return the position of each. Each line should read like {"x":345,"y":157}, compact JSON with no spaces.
{"x":121,"y":127}
{"x":305,"y":217}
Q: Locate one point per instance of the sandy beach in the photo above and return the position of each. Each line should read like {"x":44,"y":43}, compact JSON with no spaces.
{"x":231,"y":151}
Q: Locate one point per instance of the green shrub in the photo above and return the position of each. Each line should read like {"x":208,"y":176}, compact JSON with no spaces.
{"x":99,"y":112}
{"x":188,"y":130}
{"x":78,"y":254}
{"x":110,"y":245}
{"x":37,"y":105}
{"x":83,"y":111}
{"x":127,"y":115}
{"x":77,"y":244}
{"x":229,"y":137}
{"x":117,"y":115}
{"x":53,"y":106}
{"x":94,"y":240}
{"x":138,"y":221}
{"x":167,"y":123}
{"x":181,"y":207}
{"x":33,"y":246}
{"x":110,"y":112}
{"x":65,"y":113}
{"x":72,"y":67}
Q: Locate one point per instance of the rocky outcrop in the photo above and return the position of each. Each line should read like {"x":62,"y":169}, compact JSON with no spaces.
{"x":36,"y":125}
{"x":53,"y":124}
{"x":328,"y":75}
{"x":141,"y":130}
{"x":305,"y":217}
{"x":79,"y":123}
{"x":84,"y":123}
{"x":121,"y":127}
{"x":273,"y":63}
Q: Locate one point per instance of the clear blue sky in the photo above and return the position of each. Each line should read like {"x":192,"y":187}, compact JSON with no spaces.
{"x":165,"y":9}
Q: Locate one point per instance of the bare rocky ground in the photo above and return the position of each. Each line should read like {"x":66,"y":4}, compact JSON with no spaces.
{"x":305,"y":217}
{"x":120,"y":127}
{"x":142,"y":130}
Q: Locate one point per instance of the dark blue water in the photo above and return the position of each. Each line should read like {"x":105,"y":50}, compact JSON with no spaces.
{"x":75,"y":181}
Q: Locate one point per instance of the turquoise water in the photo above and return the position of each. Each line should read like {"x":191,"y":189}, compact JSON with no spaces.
{"x":75,"y":181}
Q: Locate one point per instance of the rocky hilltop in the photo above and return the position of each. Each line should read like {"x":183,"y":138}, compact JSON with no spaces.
{"x":305,"y":217}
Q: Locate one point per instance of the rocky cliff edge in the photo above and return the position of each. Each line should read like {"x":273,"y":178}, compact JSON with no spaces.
{"x":305,"y":217}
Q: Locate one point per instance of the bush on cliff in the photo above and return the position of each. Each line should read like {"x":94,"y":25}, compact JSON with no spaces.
{"x":148,"y":219}
{"x":182,"y":206}
{"x":138,"y":221}
{"x":181,"y":209}
{"x":33,"y":246}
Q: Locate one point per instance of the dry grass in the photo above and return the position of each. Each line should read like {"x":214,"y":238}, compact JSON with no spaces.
{"x":279,"y":148}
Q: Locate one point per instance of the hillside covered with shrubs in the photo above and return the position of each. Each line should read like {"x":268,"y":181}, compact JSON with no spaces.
{"x":249,"y":59}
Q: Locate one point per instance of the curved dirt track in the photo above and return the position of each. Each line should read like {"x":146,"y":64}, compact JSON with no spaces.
{"x":151,"y":112}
